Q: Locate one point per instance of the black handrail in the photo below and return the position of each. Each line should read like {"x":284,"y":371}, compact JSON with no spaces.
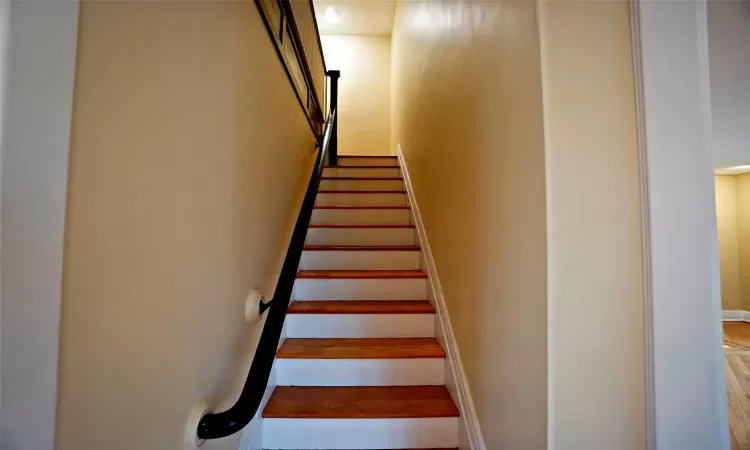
{"x":222,"y":424}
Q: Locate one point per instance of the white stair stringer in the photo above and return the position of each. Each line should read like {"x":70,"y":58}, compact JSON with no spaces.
{"x":307,"y":434}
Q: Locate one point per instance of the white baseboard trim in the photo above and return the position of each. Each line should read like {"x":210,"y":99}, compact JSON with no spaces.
{"x":735,"y":315}
{"x":465,"y":403}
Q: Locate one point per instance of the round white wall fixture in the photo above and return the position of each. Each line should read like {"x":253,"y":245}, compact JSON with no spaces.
{"x":252,"y":307}
{"x":191,"y":428}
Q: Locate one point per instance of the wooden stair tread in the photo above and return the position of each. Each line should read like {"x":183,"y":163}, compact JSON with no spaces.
{"x":360,"y":192}
{"x":363,"y":248}
{"x":361,"y":307}
{"x":366,"y":156}
{"x":361,"y":178}
{"x":361,"y":167}
{"x":354,"y":402}
{"x":362,"y":207}
{"x":361,"y":274}
{"x":360,"y":348}
{"x":359,"y":226}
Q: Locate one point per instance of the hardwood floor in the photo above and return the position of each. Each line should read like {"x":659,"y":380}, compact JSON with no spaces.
{"x":737,"y":334}
{"x":737,"y":368}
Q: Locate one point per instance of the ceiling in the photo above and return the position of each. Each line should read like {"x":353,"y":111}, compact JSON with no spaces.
{"x":737,"y":170}
{"x":374,"y":17}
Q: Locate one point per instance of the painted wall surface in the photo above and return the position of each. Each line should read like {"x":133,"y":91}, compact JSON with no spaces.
{"x":593,"y":228}
{"x":729,"y":56}
{"x":188,"y":146}
{"x":685,"y":307}
{"x":726,"y":221}
{"x":364,"y":111}
{"x":37,"y":107}
{"x":468,"y":117}
{"x":4,"y":34}
{"x":742,"y":183}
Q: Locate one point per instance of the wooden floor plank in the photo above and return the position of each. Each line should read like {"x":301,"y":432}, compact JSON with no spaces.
{"x":362,"y":307}
{"x":739,"y":364}
{"x":739,"y":385}
{"x":363,"y":274}
{"x":360,"y":348}
{"x":354,"y":402}
{"x":738,"y":419}
{"x":737,"y":334}
{"x":737,"y":369}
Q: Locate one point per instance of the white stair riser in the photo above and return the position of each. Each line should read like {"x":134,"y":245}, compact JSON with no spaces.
{"x":361,"y":217}
{"x":361,"y":372}
{"x":361,"y":185}
{"x":360,"y":236}
{"x":303,"y":434}
{"x":326,"y":199}
{"x":356,"y":172}
{"x":365,"y":161}
{"x":359,"y":260}
{"x":360,"y":289}
{"x":360,"y":325}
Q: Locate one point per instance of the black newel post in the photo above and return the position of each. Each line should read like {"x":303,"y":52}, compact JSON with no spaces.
{"x":333,"y":150}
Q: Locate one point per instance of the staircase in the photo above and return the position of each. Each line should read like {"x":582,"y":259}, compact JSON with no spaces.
{"x":360,"y":367}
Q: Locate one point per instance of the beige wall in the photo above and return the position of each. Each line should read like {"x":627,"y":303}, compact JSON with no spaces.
{"x":188,"y":144}
{"x":467,"y":104}
{"x":596,"y":329}
{"x":743,"y":239}
{"x":468,"y":117}
{"x":733,"y":222}
{"x":364,"y":91}
{"x":726,"y":219}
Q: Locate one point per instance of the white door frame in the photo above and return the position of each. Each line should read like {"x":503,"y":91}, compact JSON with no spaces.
{"x":685,"y":393}
{"x":37,"y":113}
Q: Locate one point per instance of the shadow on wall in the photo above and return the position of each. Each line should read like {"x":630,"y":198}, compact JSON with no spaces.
{"x":467,"y":114}
{"x":188,"y":147}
